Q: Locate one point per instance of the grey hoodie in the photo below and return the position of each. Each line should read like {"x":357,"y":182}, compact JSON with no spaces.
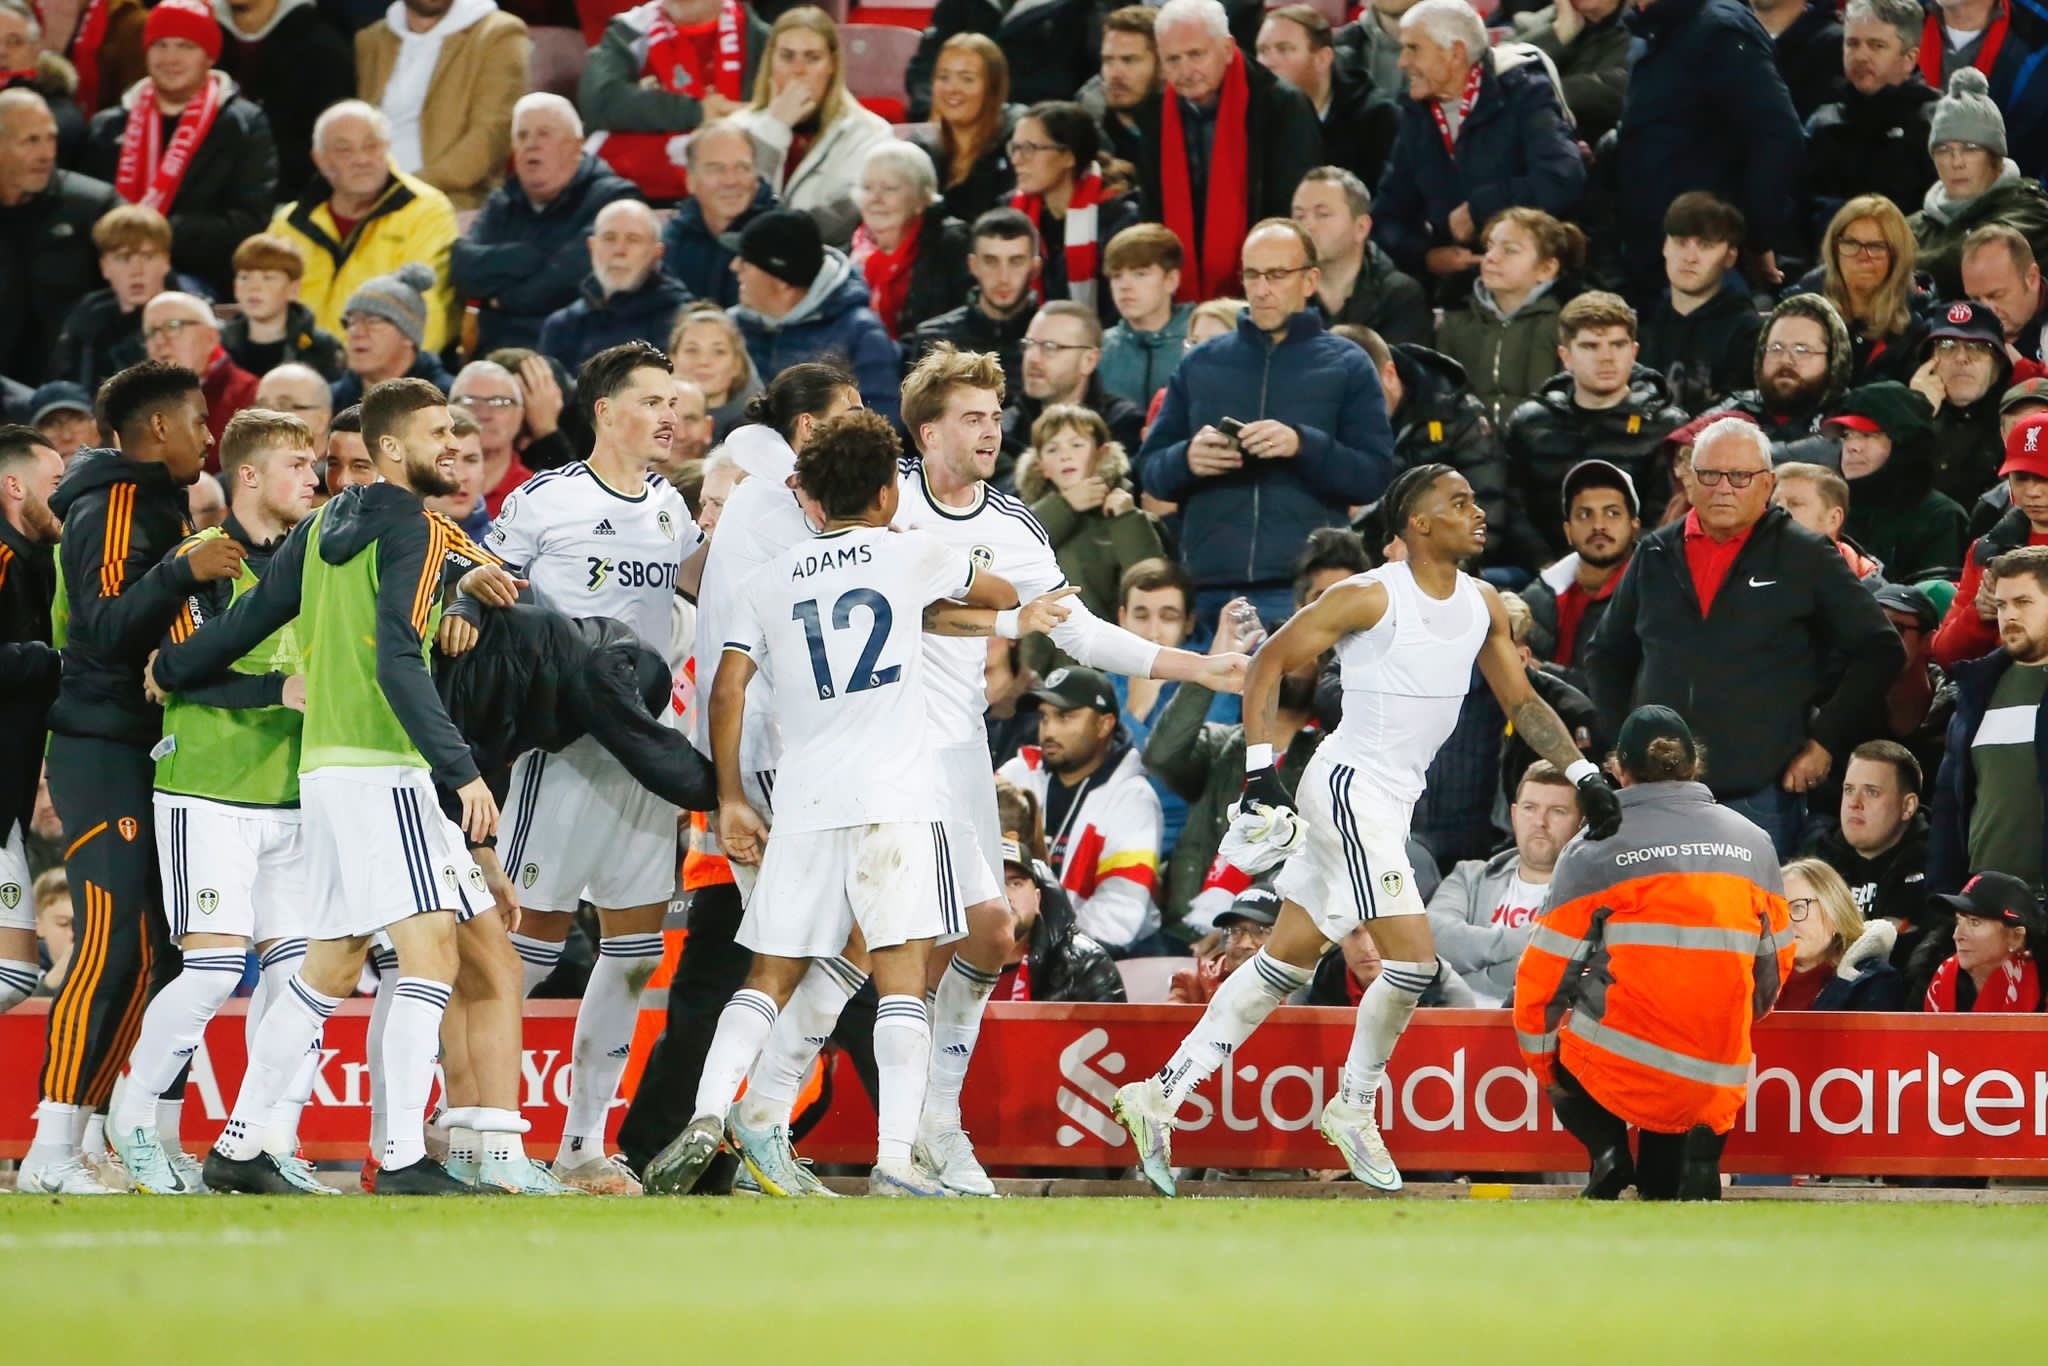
{"x":1461,"y":918}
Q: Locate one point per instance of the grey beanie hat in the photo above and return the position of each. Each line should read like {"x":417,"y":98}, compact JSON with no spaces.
{"x":399,"y":298}
{"x":1966,"y":114}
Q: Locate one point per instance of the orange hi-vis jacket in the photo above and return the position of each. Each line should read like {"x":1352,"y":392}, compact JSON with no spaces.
{"x":704,"y":863}
{"x":1660,"y":949}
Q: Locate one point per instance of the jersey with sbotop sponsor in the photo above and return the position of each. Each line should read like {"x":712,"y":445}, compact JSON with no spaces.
{"x":590,"y":550}
{"x":836,"y":621}
{"x":1405,"y":679}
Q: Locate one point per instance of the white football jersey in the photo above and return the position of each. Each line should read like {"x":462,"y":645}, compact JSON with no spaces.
{"x":998,"y":534}
{"x":591,"y":551}
{"x":836,"y":621}
{"x":761,"y":520}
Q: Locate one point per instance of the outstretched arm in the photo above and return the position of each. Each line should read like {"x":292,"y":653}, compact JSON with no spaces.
{"x":1540,"y":727}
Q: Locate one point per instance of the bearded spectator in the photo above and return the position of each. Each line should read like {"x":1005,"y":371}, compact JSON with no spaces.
{"x":1234,"y":141}
{"x":1970,"y":627}
{"x":625,"y":297}
{"x":968,"y":139}
{"x":1701,"y":335}
{"x":362,"y":217}
{"x":1483,"y":910}
{"x":1706,"y":110}
{"x":1867,"y":258}
{"x":527,"y":253}
{"x":180,"y":329}
{"x":1437,"y":419}
{"x":1870,"y":141}
{"x":726,"y":193}
{"x":291,"y":58}
{"x":1963,"y":376}
{"x":186,"y":143}
{"x":2000,"y":272}
{"x":48,"y":261}
{"x":1978,"y":183}
{"x":1588,"y":43}
{"x":1124,"y":92}
{"x":1602,"y":519}
{"x":1895,"y":512}
{"x":446,"y":73}
{"x":1360,"y":283}
{"x":1817,"y":498}
{"x":25,"y":66}
{"x":1482,"y":133}
{"x":1359,"y":122}
{"x":662,"y":70}
{"x":1802,"y":364}
{"x":1806,"y":43}
{"x":1603,"y":406}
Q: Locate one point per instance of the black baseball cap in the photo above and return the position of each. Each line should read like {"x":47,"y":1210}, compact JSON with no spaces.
{"x":1254,"y":906}
{"x":58,"y":396}
{"x":1600,"y":474}
{"x":1015,"y":857}
{"x":1645,"y":725}
{"x":783,"y":242}
{"x":1075,"y":686}
{"x":1909,"y":601}
{"x":1997,"y":896}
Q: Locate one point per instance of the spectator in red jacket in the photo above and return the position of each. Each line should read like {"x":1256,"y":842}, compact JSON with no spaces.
{"x":1970,"y":628}
{"x":180,"y":329}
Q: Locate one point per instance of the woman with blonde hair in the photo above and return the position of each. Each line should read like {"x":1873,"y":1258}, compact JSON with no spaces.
{"x":1075,"y":478}
{"x":706,"y":348}
{"x":968,"y":138}
{"x":1867,"y":260}
{"x":1840,"y":962}
{"x":809,"y":134}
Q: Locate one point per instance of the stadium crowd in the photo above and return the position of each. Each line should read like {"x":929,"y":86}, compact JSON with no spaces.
{"x":1240,"y":267}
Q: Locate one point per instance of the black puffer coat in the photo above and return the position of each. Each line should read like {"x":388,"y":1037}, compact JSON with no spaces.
{"x":1550,"y":433}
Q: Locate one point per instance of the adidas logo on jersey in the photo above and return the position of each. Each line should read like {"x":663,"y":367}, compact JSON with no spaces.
{"x":603,"y":528}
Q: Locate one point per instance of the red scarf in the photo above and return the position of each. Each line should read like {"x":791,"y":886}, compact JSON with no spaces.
{"x":1465,"y":103}
{"x":149,"y":173}
{"x":673,"y":63}
{"x":1934,"y":42}
{"x":84,"y":53}
{"x":2014,"y":985}
{"x":1083,"y":230}
{"x":887,"y":272}
{"x":1212,"y":269}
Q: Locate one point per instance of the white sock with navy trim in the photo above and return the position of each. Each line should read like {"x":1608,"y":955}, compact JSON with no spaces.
{"x":386,"y":962}
{"x":903,"y":1062}
{"x":1383,"y":1012}
{"x":412,"y":1040}
{"x":743,"y":1028}
{"x":604,"y":1035}
{"x":288,"y":1029}
{"x":957,"y":1005}
{"x":172,"y":1027}
{"x":1239,"y":1006}
{"x":537,"y":959}
{"x":800,"y":1034}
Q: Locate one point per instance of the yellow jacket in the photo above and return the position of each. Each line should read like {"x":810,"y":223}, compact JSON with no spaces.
{"x":412,"y":221}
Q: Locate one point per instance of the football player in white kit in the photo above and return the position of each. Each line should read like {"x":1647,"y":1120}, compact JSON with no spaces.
{"x":1406,"y":635}
{"x":603,"y":537}
{"x":952,"y":404}
{"x":834,"y":623}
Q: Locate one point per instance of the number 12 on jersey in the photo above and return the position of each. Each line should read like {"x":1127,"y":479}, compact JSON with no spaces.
{"x":865,"y":674}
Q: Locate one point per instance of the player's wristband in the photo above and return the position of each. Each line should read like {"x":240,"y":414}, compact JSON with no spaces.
{"x":1006,"y":623}
{"x":1580,"y":771}
{"x":1257,"y":758}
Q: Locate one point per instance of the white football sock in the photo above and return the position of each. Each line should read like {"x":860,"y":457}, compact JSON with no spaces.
{"x":743,"y":1028}
{"x":281,"y":1130}
{"x":92,"y":1139}
{"x":170,"y":1121}
{"x":1383,"y":1012}
{"x":57,"y":1131}
{"x":464,"y":1145}
{"x":801,"y":1032}
{"x":277,"y":964}
{"x":604,"y":1035}
{"x":289,"y":1027}
{"x":1239,"y":1006}
{"x":501,"y":1133}
{"x":386,"y":961}
{"x":903,"y":1047}
{"x":172,"y":1027}
{"x":18,"y":982}
{"x":955,"y":1024}
{"x":537,"y":958}
{"x":412,"y":1040}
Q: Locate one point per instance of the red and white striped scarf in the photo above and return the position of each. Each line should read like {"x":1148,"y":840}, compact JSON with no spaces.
{"x":149,"y":172}
{"x":1083,"y":226}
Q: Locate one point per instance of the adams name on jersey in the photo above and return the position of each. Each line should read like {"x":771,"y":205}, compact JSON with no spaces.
{"x":591,"y":551}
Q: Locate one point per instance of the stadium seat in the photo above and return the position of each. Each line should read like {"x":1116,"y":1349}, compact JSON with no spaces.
{"x":558,"y":57}
{"x":595,"y":14}
{"x":903,"y":14}
{"x":1146,"y":979}
{"x":876,"y":56}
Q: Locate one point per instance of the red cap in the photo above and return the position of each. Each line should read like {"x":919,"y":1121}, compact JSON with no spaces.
{"x":2026,"y":447}
{"x":1855,"y":422}
{"x":187,"y":19}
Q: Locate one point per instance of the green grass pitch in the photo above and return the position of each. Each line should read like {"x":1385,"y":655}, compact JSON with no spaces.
{"x":1258,"y":1281}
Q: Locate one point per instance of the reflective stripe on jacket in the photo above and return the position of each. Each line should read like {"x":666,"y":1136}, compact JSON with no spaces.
{"x":1661,"y":948}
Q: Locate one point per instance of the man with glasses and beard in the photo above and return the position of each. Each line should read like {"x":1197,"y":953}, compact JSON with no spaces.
{"x":1803,"y":362}
{"x":1736,"y":618}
